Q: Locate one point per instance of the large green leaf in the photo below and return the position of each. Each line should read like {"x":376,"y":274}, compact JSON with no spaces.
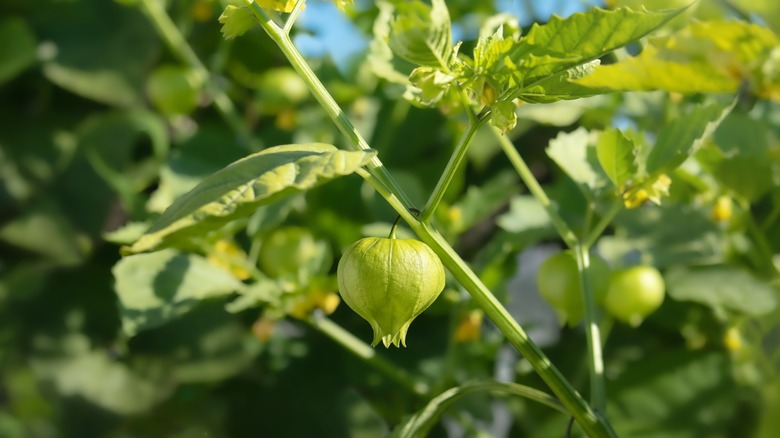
{"x":722,"y":288}
{"x":563,"y":43}
{"x":711,"y":57}
{"x":238,"y":189}
{"x":419,"y":424}
{"x":683,"y":136}
{"x":422,"y":34}
{"x":157,"y":287}
{"x":108,"y":58}
{"x":560,"y":86}
{"x":676,"y":394}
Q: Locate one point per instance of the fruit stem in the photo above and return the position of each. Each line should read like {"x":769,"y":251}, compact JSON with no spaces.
{"x":395,"y":226}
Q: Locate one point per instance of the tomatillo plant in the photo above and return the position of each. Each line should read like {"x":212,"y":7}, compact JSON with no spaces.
{"x":389,"y":282}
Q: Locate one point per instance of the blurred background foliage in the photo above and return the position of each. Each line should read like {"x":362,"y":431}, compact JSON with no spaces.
{"x":102,"y":127}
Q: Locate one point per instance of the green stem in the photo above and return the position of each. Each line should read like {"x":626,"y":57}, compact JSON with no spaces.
{"x":593,"y":424}
{"x":598,"y":397}
{"x":536,"y":189}
{"x":602,"y":225}
{"x":364,"y":351}
{"x":450,"y":169}
{"x":178,"y":45}
{"x":293,"y":16}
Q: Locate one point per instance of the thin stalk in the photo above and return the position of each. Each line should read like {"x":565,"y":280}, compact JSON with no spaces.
{"x":536,"y":189}
{"x":602,"y":225}
{"x":593,"y":424}
{"x":369,"y":355}
{"x":450,"y":170}
{"x":178,"y":45}
{"x":293,"y":16}
{"x":598,"y":397}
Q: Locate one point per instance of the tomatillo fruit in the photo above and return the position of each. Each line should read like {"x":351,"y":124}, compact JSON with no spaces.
{"x":389,"y":282}
{"x":635,"y":293}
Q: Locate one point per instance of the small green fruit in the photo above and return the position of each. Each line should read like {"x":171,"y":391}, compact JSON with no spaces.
{"x":559,"y":284}
{"x":634,"y":293}
{"x":389,"y":282}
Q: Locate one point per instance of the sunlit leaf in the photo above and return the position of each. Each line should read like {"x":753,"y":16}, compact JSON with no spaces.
{"x":422,"y":34}
{"x":236,"y":21}
{"x":563,"y":43}
{"x":575,"y":154}
{"x":709,"y":57}
{"x":616,"y":154}
{"x":236,"y":190}
{"x":157,"y":287}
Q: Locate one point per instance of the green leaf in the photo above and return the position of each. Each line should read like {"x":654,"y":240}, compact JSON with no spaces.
{"x":563,"y":43}
{"x":236,"y":21}
{"x":659,"y":395}
{"x":709,"y":57}
{"x":616,"y":155}
{"x":18,"y":51}
{"x":107,"y":61}
{"x":157,"y":287}
{"x":238,"y":189}
{"x":504,"y":116}
{"x":723,"y":288}
{"x":683,"y":136}
{"x":419,"y":424}
{"x":381,"y":59}
{"x":560,"y":86}
{"x":210,"y":345}
{"x":575,"y":154}
{"x":76,"y":370}
{"x":694,"y":238}
{"x":422,"y":34}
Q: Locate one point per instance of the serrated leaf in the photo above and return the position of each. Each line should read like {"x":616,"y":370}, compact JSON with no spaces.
{"x":278,"y":5}
{"x":236,"y":21}
{"x":419,"y":424}
{"x":683,"y":136}
{"x":722,"y":288}
{"x":575,"y":154}
{"x":157,"y":287}
{"x":560,"y":86}
{"x":711,"y":57}
{"x":422,"y":34}
{"x":380,"y":56}
{"x":563,"y":43}
{"x":616,"y":155}
{"x":238,"y":189}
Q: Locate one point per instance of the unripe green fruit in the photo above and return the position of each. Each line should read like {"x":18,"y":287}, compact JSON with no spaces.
{"x":389,"y":282}
{"x":559,"y":284}
{"x":174,"y":89}
{"x":634,"y":293}
{"x":294,"y":253}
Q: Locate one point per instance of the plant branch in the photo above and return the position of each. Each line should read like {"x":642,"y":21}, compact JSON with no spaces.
{"x":178,"y":45}
{"x":364,"y":351}
{"x":593,"y":424}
